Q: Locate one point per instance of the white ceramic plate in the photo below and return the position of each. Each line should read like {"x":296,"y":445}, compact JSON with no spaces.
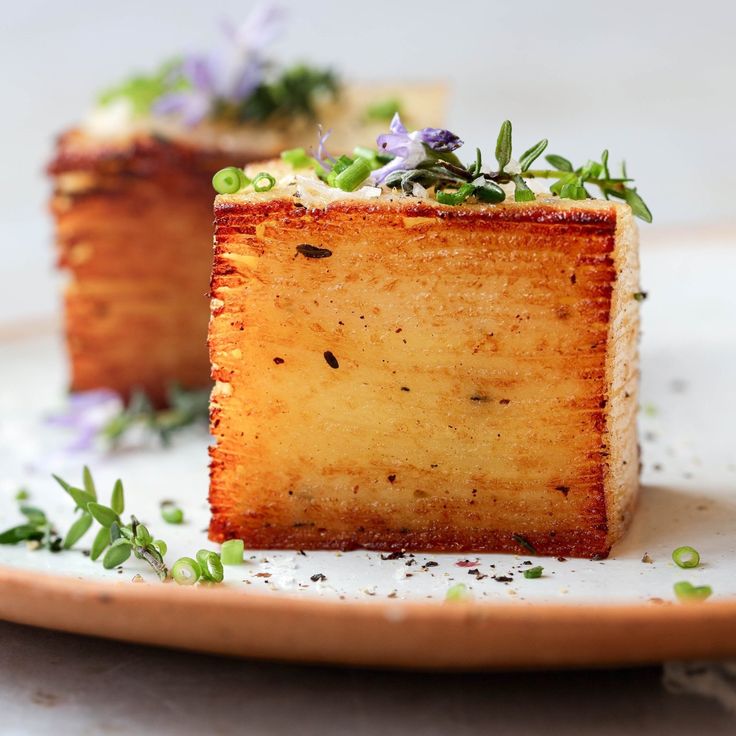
{"x":689,"y":497}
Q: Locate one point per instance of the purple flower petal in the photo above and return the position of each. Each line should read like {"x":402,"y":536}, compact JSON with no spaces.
{"x":408,"y":148}
{"x":261,"y":28}
{"x":440,"y":140}
{"x":322,"y":156}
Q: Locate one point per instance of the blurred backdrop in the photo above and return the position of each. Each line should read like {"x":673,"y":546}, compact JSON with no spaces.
{"x":652,"y":81}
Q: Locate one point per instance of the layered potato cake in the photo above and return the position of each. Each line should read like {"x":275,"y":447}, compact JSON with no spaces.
{"x":132,"y":203}
{"x":400,"y":374}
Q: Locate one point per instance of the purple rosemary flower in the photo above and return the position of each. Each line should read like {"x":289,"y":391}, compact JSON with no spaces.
{"x":85,"y":416}
{"x":409,"y":148}
{"x":322,"y":156}
{"x":231,"y":74}
{"x":192,"y":104}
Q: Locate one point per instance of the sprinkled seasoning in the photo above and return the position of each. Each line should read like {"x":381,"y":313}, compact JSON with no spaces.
{"x":331,"y":359}
{"x":394,"y":556}
{"x":313,"y":251}
{"x":318,"y":577}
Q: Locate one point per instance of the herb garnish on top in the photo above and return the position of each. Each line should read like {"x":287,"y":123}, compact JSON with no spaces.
{"x":425,"y":162}
{"x":236,"y":83}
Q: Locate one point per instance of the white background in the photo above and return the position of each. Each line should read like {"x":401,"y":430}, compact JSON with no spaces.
{"x":652,"y":81}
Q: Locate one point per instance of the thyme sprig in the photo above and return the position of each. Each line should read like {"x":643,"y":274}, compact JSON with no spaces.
{"x":115,"y":541}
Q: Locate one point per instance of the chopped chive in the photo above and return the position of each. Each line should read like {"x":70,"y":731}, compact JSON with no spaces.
{"x":457,"y":592}
{"x":534,"y":572}
{"x":297,"y":158}
{"x":457,"y":197}
{"x":231,"y":552}
{"x":368,"y":154}
{"x":686,"y":557}
{"x":171,"y":514}
{"x":342,"y":163}
{"x":688,"y":592}
{"x":229,"y":180}
{"x":263,"y":182}
{"x":353,"y":176}
{"x":186,"y":571}
{"x":210,"y":566}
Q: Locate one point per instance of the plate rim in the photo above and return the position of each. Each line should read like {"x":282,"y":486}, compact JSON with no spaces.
{"x":395,"y":633}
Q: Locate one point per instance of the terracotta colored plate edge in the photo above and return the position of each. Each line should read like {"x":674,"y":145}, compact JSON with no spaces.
{"x":377,"y":633}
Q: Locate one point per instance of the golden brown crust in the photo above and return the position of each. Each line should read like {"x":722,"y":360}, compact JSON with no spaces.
{"x":468,"y":400}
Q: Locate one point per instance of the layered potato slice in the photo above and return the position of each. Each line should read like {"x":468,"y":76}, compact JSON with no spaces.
{"x":133,"y":213}
{"x":398,"y":374}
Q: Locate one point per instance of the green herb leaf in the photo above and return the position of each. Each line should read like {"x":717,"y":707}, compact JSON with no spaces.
{"x":534,"y":572}
{"x":532,"y":154}
{"x":35,"y":516}
{"x":81,"y":498}
{"x":118,"y":553}
{"x":604,"y":163}
{"x":503,"y":145}
{"x":103,"y":514}
{"x":489,"y":192}
{"x":161,"y":547}
{"x":77,"y":530}
{"x":142,"y":536}
{"x":559,"y":162}
{"x":573,"y":189}
{"x":100,"y":543}
{"x":117,"y":501}
{"x":637,"y":205}
{"x":21,"y":533}
{"x":22,"y":495}
{"x":88,"y":482}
